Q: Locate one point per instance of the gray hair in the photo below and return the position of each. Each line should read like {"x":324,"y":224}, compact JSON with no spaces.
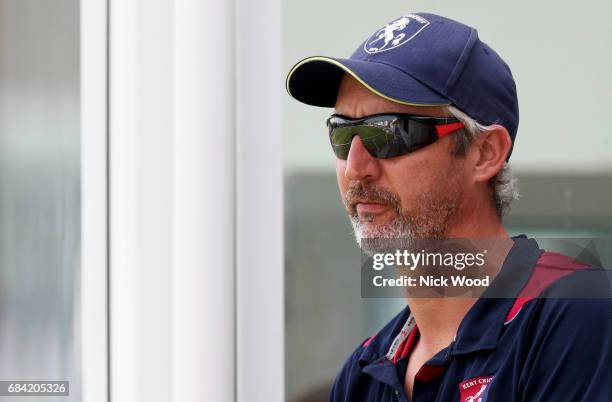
{"x":504,"y":183}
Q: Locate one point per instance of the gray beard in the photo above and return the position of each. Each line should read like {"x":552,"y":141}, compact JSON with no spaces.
{"x":430,"y":219}
{"x":395,"y":235}
{"x":404,"y":231}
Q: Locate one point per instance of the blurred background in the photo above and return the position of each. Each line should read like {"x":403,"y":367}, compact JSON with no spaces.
{"x":40,"y":217}
{"x":170,"y":226}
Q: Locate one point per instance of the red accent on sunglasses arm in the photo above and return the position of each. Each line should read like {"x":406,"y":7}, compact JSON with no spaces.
{"x":446,"y":129}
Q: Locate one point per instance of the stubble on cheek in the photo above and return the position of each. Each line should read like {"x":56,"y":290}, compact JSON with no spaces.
{"x":435,"y":208}
{"x":429,"y":215}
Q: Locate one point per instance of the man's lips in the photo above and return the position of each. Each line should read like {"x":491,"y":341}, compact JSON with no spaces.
{"x":370,"y":208}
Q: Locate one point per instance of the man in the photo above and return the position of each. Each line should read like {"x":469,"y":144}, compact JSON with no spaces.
{"x":422,"y":131}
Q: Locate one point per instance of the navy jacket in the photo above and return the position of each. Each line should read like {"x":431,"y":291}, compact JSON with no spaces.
{"x":539,"y":345}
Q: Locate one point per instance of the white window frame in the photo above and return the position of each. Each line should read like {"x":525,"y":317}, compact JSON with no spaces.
{"x":94,"y":217}
{"x":260,"y":218}
{"x":196,"y":231}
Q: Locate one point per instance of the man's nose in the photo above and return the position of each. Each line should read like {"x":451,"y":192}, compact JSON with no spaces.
{"x":360,"y":165}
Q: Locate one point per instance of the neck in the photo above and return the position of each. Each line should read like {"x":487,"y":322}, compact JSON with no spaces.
{"x":480,"y":220}
{"x":438,"y":319}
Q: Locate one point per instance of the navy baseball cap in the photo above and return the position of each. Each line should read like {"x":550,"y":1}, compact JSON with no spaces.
{"x":418,"y":59}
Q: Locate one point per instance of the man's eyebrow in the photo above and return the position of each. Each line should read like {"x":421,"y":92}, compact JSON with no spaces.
{"x":348,"y":116}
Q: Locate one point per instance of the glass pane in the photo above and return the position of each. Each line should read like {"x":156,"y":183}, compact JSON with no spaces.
{"x":562,"y":160}
{"x":39,"y":193}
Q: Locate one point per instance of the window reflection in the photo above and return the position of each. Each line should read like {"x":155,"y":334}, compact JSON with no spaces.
{"x":39,"y":192}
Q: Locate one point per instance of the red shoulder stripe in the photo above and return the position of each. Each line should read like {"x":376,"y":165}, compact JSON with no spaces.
{"x":369,"y":340}
{"x":549,"y":268}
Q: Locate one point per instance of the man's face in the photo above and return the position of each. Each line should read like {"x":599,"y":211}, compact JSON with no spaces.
{"x":418,"y":195}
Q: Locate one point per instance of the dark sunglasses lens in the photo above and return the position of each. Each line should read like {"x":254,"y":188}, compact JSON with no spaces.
{"x":378,"y":141}
{"x":341,"y":141}
{"x":415,"y":135}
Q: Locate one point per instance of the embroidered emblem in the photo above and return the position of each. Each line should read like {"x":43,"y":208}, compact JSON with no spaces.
{"x":473,"y":390}
{"x":395,"y":33}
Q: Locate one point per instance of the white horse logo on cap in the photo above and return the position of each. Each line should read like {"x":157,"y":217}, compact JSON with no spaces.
{"x":395,"y":33}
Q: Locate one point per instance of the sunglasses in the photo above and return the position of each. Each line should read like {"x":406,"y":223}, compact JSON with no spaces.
{"x":388,"y":135}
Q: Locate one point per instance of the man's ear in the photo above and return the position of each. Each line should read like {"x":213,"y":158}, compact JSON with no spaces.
{"x":492,"y":150}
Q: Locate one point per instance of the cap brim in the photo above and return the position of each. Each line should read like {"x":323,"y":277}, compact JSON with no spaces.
{"x":316,"y":80}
